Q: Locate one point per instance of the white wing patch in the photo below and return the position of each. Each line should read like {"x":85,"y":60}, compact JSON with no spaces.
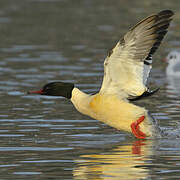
{"x":128,"y":64}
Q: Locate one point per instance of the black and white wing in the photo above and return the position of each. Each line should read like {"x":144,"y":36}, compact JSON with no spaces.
{"x":128,"y":64}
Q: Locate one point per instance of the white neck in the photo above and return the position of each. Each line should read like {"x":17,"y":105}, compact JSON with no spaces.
{"x":80,"y":100}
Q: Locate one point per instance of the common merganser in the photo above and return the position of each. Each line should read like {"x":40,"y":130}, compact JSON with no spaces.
{"x":126,"y":69}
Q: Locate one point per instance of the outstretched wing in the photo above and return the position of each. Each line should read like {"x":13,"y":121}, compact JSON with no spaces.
{"x":128,"y":64}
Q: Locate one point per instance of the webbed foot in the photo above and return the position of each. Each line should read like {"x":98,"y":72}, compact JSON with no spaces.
{"x":136,"y":129}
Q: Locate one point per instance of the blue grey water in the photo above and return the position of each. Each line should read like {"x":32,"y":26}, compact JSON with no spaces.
{"x":46,"y":138}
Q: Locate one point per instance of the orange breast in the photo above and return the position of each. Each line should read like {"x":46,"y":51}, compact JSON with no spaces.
{"x":115,"y":112}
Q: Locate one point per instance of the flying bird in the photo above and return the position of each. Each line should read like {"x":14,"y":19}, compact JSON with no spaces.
{"x":126,"y":70}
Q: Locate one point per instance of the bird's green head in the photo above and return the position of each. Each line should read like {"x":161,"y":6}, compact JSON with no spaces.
{"x":56,"y":89}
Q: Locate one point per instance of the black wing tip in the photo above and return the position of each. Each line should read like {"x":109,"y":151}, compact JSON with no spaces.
{"x":161,"y":26}
{"x":166,"y":12}
{"x":163,"y":21}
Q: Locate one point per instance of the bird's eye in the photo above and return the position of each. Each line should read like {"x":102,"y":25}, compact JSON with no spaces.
{"x":171,"y":57}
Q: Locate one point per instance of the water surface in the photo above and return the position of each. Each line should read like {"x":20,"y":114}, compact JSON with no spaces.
{"x":45,"y":137}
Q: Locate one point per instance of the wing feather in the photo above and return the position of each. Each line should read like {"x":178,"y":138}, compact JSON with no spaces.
{"x":128,"y":64}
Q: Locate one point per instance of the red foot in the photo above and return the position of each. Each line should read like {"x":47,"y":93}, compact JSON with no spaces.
{"x":135,"y":128}
{"x":136,"y":147}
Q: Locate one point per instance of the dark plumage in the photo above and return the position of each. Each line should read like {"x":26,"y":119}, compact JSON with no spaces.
{"x":163,"y":20}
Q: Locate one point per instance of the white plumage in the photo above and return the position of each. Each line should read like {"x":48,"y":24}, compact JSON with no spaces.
{"x":128,"y":64}
{"x":126,"y":70}
{"x":173,"y":60}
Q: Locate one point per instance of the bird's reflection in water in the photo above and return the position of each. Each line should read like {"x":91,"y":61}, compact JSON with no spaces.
{"x":122,"y":162}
